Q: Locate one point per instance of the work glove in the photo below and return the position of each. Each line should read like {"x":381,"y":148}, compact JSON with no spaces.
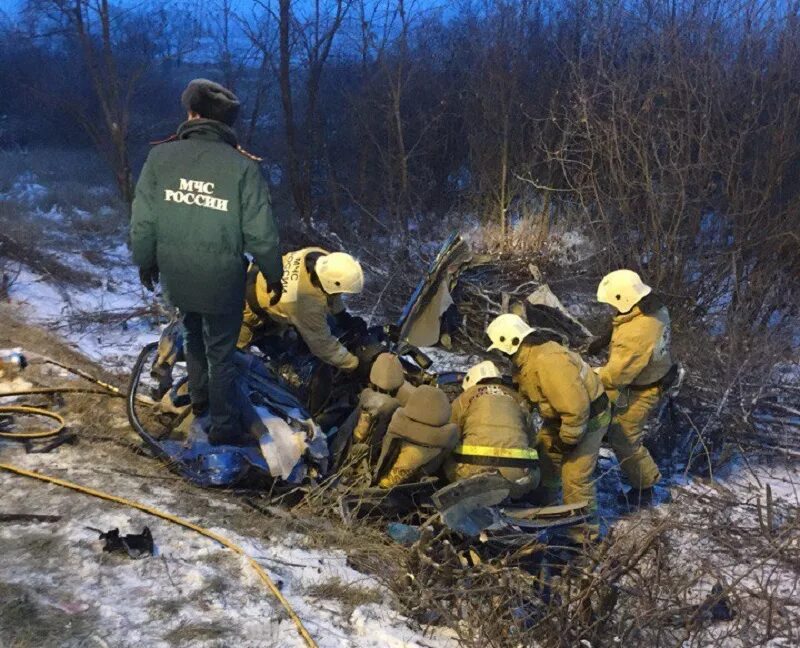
{"x":351,"y":367}
{"x":275,"y":292}
{"x":563,"y":447}
{"x":149,"y":277}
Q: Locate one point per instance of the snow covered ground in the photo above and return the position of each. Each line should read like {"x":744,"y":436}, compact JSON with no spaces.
{"x":194,"y":592}
{"x":69,"y":313}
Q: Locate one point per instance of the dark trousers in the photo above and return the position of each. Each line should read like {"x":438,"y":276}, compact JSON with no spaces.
{"x":210,"y":345}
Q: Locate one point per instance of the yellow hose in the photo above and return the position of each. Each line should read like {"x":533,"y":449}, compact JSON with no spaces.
{"x":184,"y":523}
{"x":34,"y":411}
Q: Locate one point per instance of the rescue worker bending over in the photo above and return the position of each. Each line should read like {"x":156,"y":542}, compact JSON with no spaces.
{"x":495,"y":432}
{"x":638,"y":370}
{"x":368,"y":422}
{"x":311,"y":289}
{"x":379,"y":401}
{"x":571,"y":401}
{"x":419,"y":438}
{"x":201,"y":203}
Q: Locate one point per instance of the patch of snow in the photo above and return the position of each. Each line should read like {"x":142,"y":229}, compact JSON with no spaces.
{"x":26,"y":189}
{"x":54,"y":214}
{"x":59,"y":308}
{"x":100,"y":191}
{"x":192,"y":582}
{"x":444,"y":360}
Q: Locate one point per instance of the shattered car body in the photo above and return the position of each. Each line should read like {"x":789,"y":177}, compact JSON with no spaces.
{"x":285,"y":441}
{"x":432,"y":313}
{"x":291,"y":401}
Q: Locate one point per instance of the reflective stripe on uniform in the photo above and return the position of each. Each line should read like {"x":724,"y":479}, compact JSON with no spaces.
{"x":529,"y":454}
{"x":476,"y":455}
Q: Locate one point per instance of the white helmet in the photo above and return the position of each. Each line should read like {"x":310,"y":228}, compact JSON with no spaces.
{"x":507,"y":332}
{"x":623,"y":289}
{"x":480,"y":372}
{"x":339,"y":273}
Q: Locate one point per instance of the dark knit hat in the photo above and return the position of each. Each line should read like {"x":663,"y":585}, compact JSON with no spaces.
{"x":211,"y":100}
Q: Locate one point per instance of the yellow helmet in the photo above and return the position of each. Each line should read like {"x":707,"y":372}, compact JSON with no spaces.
{"x":622,"y":289}
{"x":339,"y":272}
{"x":480,"y":372}
{"x":507,"y":332}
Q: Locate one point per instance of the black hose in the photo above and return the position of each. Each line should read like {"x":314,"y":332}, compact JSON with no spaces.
{"x":174,"y":464}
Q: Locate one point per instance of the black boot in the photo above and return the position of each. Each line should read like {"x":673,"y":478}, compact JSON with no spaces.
{"x":637,"y":498}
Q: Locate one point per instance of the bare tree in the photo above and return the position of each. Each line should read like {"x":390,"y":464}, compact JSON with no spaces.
{"x":314,"y":33}
{"x":102,"y":33}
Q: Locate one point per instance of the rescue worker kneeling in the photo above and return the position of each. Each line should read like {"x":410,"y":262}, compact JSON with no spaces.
{"x":572,"y":403}
{"x":418,"y":439}
{"x":495,"y":432}
{"x":377,"y":403}
{"x":311,"y":289}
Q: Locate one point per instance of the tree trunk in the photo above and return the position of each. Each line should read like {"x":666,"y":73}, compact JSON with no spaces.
{"x":288,"y":113}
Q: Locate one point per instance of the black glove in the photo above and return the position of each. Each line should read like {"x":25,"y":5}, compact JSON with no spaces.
{"x":599,"y":343}
{"x":149,"y":277}
{"x":275,"y":292}
{"x":563,"y":447}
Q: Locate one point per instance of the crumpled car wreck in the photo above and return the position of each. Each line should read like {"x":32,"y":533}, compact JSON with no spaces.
{"x":294,"y":405}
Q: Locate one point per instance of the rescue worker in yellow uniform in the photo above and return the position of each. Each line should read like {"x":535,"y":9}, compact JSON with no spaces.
{"x":638,"y":370}
{"x":419,"y":438}
{"x":572,"y":403}
{"x":377,"y":402}
{"x":313,"y":282}
{"x":496,"y":434}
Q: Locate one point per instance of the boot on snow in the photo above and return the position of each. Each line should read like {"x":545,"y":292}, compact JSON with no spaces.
{"x":637,"y":498}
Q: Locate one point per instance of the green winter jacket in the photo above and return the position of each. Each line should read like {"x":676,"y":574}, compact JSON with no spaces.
{"x":200,"y":204}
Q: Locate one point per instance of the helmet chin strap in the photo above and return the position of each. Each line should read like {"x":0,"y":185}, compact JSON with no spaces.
{"x":313,"y":276}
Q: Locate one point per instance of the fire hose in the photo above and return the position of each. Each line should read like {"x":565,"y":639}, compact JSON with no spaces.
{"x":110,"y":390}
{"x":259,"y":570}
{"x":32,"y":411}
{"x":41,"y":412}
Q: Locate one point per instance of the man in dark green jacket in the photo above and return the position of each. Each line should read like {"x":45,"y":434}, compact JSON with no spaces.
{"x":201,"y":203}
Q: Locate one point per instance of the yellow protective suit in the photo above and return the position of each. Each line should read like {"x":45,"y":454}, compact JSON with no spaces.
{"x":302,"y":305}
{"x":419,"y":438}
{"x":496,"y":435}
{"x":639,"y":358}
{"x":570,"y":399}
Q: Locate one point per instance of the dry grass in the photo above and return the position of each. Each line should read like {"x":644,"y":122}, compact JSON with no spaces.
{"x":23,"y":241}
{"x":190,"y":634}
{"x":26,"y":623}
{"x":348,"y":595}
